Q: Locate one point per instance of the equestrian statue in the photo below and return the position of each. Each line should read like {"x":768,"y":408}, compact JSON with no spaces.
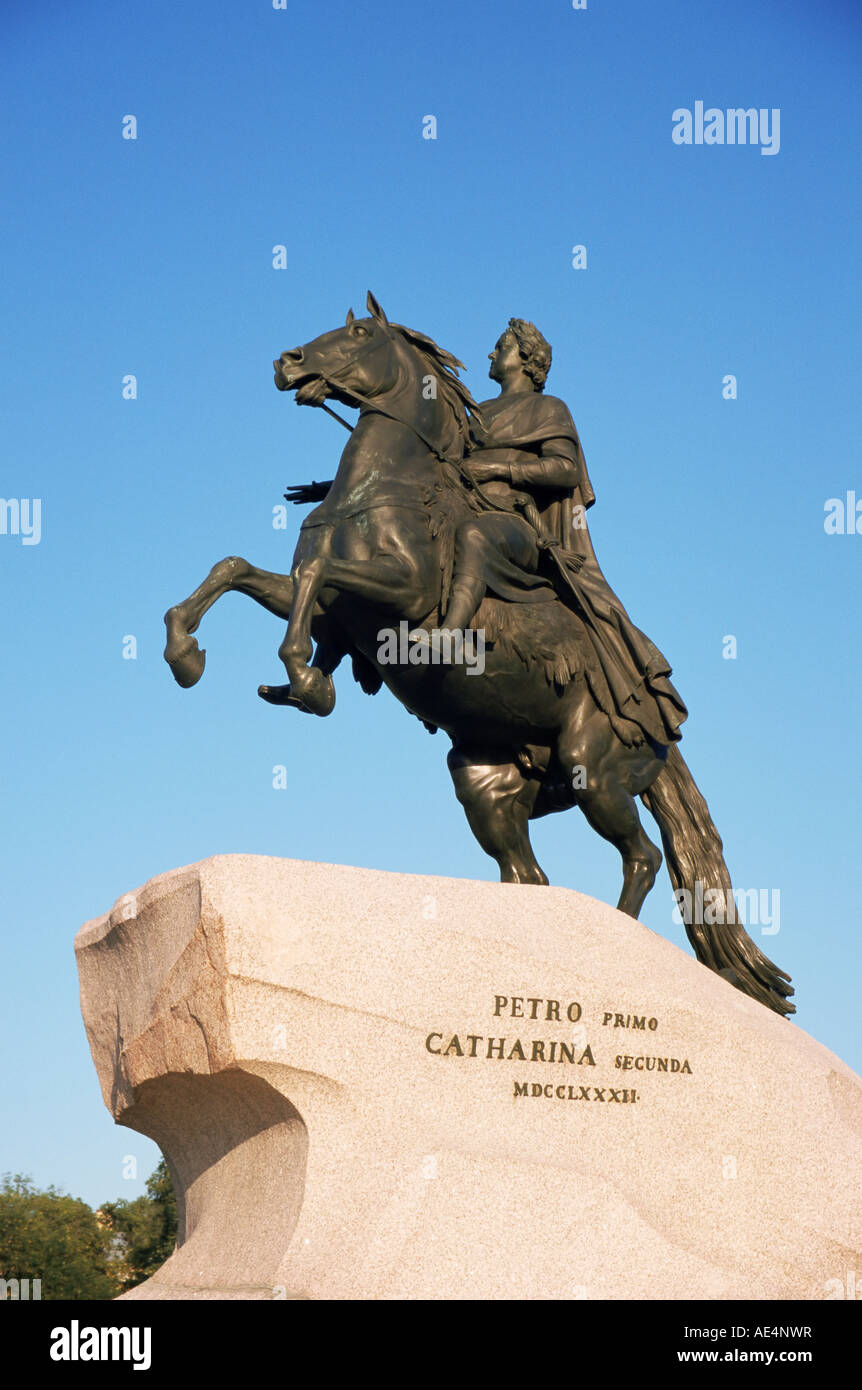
{"x":450,"y":518}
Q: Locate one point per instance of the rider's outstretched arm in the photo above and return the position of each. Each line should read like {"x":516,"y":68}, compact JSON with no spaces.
{"x":302,"y":493}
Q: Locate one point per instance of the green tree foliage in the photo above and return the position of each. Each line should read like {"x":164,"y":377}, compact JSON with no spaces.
{"x":144,"y":1231}
{"x":54,"y":1238}
{"x":78,"y":1253}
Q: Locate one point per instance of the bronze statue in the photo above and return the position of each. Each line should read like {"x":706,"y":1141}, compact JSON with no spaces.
{"x":446,"y":516}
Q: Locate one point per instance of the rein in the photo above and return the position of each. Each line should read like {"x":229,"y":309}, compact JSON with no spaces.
{"x":333,"y":380}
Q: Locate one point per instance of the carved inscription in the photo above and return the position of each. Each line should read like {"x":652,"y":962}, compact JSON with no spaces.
{"x":570,"y":1048}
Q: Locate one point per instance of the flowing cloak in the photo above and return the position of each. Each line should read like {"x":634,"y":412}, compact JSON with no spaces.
{"x":629,"y":677}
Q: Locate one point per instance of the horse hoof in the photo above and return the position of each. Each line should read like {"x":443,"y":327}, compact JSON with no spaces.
{"x":274,"y":694}
{"x":188,"y":665}
{"x":315,"y":691}
{"x":281,"y":695}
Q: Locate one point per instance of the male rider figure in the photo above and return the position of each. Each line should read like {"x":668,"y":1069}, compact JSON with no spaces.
{"x":529,"y":463}
{"x":529,"y":452}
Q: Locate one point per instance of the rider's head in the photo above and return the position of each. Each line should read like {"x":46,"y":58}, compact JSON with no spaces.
{"x":535,"y":351}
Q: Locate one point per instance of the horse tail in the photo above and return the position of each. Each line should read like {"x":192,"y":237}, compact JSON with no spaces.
{"x":693,"y":853}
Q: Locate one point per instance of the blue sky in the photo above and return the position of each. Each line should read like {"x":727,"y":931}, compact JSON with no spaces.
{"x":153,"y":257}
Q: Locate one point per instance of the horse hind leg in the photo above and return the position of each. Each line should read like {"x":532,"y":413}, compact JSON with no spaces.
{"x":497,"y":798}
{"x":612,"y":811}
{"x":606,"y":776}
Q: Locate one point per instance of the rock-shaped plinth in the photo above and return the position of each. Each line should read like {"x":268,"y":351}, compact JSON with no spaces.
{"x":373,"y":1085}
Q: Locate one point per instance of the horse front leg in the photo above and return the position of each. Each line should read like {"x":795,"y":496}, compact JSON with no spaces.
{"x":272,"y":591}
{"x":386,"y":580}
{"x":312,"y":687}
{"x":327,"y":657}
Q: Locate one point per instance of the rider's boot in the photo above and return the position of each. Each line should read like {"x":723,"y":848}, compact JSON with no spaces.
{"x":466,"y":594}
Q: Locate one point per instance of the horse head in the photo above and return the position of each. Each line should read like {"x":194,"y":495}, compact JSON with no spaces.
{"x":359,"y":360}
{"x":371,"y":358}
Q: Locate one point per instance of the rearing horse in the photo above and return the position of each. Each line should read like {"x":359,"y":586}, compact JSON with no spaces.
{"x":378,"y":551}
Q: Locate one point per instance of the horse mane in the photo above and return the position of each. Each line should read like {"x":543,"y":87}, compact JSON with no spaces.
{"x":444,"y":367}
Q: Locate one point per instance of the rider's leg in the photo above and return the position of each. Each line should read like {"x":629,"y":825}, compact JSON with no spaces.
{"x":482,"y":544}
{"x":468,"y":582}
{"x":466,"y":594}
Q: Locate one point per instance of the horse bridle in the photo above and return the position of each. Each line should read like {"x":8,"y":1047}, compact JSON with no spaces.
{"x":332,"y":379}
